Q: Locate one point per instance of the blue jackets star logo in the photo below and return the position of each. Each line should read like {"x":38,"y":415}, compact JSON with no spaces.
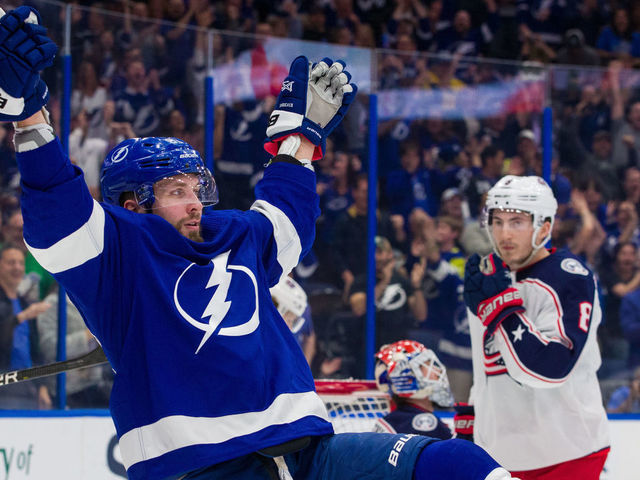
{"x":517,"y":333}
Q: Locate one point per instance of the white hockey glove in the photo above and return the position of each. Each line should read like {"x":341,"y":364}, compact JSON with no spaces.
{"x":25,"y":50}
{"x":312,"y":102}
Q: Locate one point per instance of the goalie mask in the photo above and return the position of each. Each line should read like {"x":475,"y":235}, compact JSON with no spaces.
{"x":408,"y":369}
{"x":137,"y":164}
{"x":530,"y":195}
{"x":291,"y":301}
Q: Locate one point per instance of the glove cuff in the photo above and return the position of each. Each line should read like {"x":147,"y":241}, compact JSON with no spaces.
{"x":463,"y":421}
{"x":503,"y":315}
{"x":490,"y":308}
{"x":309,"y":130}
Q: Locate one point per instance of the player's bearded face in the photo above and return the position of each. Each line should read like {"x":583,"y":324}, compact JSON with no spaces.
{"x":177,"y":202}
{"x":190,"y":227}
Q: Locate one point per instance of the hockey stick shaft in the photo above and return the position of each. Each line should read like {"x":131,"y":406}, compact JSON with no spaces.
{"x":94,"y":357}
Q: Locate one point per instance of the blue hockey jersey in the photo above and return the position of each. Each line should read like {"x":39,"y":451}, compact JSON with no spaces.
{"x":206,"y":369}
{"x":410,"y":418}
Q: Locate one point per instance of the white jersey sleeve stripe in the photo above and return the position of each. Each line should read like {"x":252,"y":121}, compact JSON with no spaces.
{"x":75,"y":249}
{"x":383,"y":426}
{"x":179,"y":431}
{"x":566,"y":341}
{"x":514,"y":364}
{"x":544,"y":339}
{"x":285,"y":234}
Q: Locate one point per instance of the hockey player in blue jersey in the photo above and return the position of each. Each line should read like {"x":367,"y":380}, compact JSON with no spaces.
{"x":209,"y":381}
{"x":417,"y":382}
{"x":534,"y":314}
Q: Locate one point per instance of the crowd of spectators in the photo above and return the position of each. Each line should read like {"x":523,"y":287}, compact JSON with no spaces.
{"x":486,"y":67}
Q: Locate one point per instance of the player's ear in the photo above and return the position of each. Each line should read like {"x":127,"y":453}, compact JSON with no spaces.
{"x":544,"y":231}
{"x":132,"y":205}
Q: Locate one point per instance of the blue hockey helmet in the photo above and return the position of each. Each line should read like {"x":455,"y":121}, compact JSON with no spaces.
{"x":134,"y":165}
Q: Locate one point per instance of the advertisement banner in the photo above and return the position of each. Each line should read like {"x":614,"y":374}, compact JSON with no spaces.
{"x":259,"y":71}
{"x":72,"y":446}
{"x":60,"y":447}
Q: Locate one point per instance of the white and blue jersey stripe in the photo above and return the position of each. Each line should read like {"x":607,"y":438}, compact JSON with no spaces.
{"x":206,"y":369}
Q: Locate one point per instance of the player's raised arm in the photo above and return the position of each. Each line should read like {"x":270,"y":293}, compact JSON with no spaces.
{"x":313,"y":100}
{"x":64,"y":227}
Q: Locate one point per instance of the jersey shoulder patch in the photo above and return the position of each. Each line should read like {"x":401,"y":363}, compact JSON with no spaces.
{"x":571,"y":265}
{"x":424,"y":422}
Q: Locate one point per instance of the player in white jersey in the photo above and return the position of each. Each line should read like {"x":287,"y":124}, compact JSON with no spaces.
{"x":534,"y":314}
{"x":209,"y":382}
{"x":291,"y":301}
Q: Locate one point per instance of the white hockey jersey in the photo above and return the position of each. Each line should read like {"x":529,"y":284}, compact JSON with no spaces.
{"x":536,"y":395}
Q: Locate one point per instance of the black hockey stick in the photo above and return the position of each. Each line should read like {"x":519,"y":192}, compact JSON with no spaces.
{"x":94,"y":357}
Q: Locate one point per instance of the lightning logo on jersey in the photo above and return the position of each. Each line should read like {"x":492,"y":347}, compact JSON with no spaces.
{"x":219,"y":304}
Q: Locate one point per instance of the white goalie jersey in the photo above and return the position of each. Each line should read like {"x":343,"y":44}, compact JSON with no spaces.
{"x":539,"y":370}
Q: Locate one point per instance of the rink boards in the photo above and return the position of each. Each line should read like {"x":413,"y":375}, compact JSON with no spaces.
{"x":79,"y":444}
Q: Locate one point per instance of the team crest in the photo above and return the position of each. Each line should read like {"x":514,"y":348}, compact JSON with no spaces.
{"x":393,"y":298}
{"x":572,"y":265}
{"x":424,"y":422}
{"x":204,"y":295}
{"x":119,"y":154}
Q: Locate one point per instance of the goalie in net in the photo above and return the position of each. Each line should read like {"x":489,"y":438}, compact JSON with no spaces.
{"x":417,"y":382}
{"x":410,"y":384}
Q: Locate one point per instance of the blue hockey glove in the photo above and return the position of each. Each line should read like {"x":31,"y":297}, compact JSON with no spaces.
{"x":25,"y":50}
{"x":488,"y":291}
{"x":312,"y":102}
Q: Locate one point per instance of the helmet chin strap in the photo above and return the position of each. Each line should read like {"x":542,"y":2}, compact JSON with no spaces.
{"x":526,"y":261}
